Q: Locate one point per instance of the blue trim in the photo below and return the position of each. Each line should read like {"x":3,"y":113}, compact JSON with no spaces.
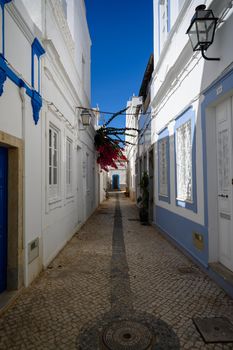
{"x":3,"y":2}
{"x":6,"y":71}
{"x":189,"y":114}
{"x":3,"y":29}
{"x":180,"y":229}
{"x":36,"y":102}
{"x":210,"y":97}
{"x":3,"y":74}
{"x":165,"y":135}
{"x":37,"y":50}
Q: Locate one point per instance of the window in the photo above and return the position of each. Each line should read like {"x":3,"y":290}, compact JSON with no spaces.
{"x":53,"y":162}
{"x":37,"y":51}
{"x":87,"y":172}
{"x":164,"y":20}
{"x":184,"y":162}
{"x":68,"y":166}
{"x":83,"y":71}
{"x":164,"y":166}
{"x":64,"y":7}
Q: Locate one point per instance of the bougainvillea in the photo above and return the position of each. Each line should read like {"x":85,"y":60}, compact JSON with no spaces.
{"x":108,"y":143}
{"x":109,"y":150}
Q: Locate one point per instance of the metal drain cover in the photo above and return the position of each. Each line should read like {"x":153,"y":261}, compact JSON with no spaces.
{"x":126,"y":335}
{"x":215,"y":329}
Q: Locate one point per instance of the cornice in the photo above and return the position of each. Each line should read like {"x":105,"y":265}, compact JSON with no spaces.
{"x":173,"y":31}
{"x":24,"y":21}
{"x":61,"y":74}
{"x":63,"y":25}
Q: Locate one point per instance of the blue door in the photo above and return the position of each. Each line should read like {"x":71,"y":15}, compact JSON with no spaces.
{"x":3,"y":217}
{"x":115,"y":182}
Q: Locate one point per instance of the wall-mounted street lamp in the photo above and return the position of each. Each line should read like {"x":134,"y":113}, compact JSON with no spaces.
{"x":86,"y":117}
{"x":202,"y":29}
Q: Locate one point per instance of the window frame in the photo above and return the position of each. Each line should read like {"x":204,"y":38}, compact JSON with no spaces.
{"x":164,"y":137}
{"x":54,"y":189}
{"x":69,"y":167}
{"x":188,"y":115}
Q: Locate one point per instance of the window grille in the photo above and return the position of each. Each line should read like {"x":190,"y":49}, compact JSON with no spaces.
{"x":163,"y":167}
{"x":184,"y":162}
{"x":68,"y":166}
{"x":53,"y":162}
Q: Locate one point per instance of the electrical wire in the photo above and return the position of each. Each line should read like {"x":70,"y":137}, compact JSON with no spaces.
{"x":104,"y":112}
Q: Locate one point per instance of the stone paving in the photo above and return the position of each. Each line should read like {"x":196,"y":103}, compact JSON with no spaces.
{"x":114,"y":269}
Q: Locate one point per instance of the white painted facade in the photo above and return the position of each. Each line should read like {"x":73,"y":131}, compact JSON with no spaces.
{"x":186,"y":94}
{"x":117,"y":177}
{"x":59,"y":171}
{"x":132,"y":147}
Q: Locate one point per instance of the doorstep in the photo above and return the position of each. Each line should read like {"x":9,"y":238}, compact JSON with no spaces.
{"x":223,"y":276}
{"x":7,"y":298}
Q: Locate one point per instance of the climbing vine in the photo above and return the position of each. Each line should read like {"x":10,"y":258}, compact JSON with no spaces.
{"x":109,"y":144}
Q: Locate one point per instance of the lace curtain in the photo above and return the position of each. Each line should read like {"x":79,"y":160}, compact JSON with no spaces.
{"x":184,"y":162}
{"x":163,"y":167}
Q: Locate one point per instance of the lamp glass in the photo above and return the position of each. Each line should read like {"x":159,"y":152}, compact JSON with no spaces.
{"x":205,"y":30}
{"x":86,"y":118}
{"x":202,"y":28}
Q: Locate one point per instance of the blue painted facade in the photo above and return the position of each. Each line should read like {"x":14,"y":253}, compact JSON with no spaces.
{"x":178,"y":227}
{"x":3,"y":217}
{"x":181,"y":229}
{"x":7,"y":72}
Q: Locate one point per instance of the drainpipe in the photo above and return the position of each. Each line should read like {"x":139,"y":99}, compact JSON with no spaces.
{"x":22,"y":93}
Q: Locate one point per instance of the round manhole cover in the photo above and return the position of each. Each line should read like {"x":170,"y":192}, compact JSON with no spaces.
{"x":126,"y":335}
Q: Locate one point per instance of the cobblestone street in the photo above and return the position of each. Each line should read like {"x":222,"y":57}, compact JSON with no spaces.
{"x":115,"y":269}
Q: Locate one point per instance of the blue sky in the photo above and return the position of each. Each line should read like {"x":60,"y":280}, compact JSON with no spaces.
{"x":121,"y":33}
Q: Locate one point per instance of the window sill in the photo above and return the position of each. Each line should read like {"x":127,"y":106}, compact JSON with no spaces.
{"x":164,"y":198}
{"x":186,"y":205}
{"x":184,"y":200}
{"x":55,"y":200}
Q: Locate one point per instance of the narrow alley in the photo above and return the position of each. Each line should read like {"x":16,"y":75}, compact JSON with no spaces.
{"x":115,"y":269}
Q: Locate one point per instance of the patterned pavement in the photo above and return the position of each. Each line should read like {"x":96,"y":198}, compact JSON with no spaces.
{"x":115,"y":270}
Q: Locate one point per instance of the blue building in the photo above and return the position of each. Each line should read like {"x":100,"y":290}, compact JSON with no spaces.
{"x":191,"y":132}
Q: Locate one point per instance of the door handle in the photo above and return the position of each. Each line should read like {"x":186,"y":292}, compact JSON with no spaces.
{"x":223,"y":196}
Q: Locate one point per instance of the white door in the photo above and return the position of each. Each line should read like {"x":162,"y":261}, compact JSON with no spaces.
{"x":225,"y":176}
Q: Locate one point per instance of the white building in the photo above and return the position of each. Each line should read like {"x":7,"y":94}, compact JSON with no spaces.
{"x":117,"y":177}
{"x":48,"y":174}
{"x":192,"y":115}
{"x":131,"y":148}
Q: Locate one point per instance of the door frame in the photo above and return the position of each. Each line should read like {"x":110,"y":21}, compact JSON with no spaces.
{"x":151,"y":156}
{"x":211,"y":178}
{"x":226,"y":262}
{"x":15,"y":253}
{"x":116,"y":176}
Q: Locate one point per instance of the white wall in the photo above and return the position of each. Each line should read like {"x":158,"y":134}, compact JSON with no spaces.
{"x":53,"y":222}
{"x":179,"y":79}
